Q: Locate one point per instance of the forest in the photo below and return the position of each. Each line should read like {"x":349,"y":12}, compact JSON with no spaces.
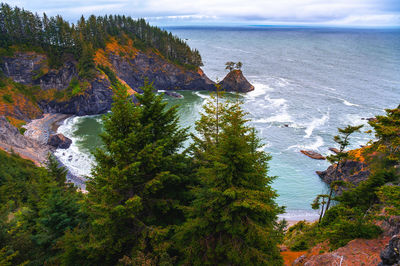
{"x":151,"y":201}
{"x":21,"y":29}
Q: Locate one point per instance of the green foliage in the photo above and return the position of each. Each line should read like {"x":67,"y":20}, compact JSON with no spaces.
{"x":7,"y":98}
{"x":389,"y":196}
{"x":387,"y":131}
{"x":40,"y":73}
{"x":74,"y":87}
{"x":22,"y":130}
{"x":3,"y":84}
{"x":342,"y":224}
{"x":232,"y":219}
{"x":111,"y":76}
{"x":35,"y":211}
{"x":86,"y":65}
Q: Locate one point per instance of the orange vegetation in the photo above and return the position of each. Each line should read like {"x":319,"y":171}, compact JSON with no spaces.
{"x":129,"y":89}
{"x":127,"y":50}
{"x":16,"y":122}
{"x":290,"y":256}
{"x":356,"y":252}
{"x":20,"y":107}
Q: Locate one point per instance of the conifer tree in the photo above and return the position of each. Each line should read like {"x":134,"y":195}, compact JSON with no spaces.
{"x":232,"y":219}
{"x":139,"y":181}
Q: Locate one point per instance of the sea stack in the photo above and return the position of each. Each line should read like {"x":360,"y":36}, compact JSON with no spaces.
{"x":235,"y":81}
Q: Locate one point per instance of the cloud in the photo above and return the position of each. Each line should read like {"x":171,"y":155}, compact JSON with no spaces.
{"x":322,"y":12}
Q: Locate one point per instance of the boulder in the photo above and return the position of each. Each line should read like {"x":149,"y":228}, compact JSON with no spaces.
{"x":173,"y":94}
{"x":235,"y":81}
{"x":313,"y":155}
{"x":59,"y":141}
{"x":391,"y":254}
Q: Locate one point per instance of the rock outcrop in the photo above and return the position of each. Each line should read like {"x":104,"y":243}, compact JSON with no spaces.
{"x":313,"y":155}
{"x":59,"y":141}
{"x":350,"y":171}
{"x":163,"y":74}
{"x":97,"y":99}
{"x":12,"y":140}
{"x":235,"y":81}
{"x":391,"y":254}
{"x":356,"y":252}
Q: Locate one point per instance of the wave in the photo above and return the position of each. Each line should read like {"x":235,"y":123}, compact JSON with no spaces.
{"x":282,"y":82}
{"x":280,"y":118}
{"x":349,"y":103}
{"x":259,"y":90}
{"x":299,"y":215}
{"x":78,"y":162}
{"x":319,"y":141}
{"x":316,"y":122}
{"x":201,"y":95}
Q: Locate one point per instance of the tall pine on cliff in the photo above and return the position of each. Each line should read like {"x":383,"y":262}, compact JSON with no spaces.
{"x":232,"y":220}
{"x":139,"y":183}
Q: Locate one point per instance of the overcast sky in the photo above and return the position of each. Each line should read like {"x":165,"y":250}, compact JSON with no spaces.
{"x":230,"y":12}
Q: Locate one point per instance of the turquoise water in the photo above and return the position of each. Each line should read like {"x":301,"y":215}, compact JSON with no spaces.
{"x":307,"y":83}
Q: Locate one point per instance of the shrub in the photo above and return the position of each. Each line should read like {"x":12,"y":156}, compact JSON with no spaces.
{"x":8,"y":98}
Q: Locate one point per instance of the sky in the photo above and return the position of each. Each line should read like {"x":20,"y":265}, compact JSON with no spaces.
{"x":348,"y":13}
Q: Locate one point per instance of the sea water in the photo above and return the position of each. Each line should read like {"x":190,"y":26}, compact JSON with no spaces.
{"x":308,"y":82}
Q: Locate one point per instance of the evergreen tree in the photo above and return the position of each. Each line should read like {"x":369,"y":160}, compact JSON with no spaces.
{"x":139,"y":183}
{"x":232,"y":219}
{"x":340,"y":158}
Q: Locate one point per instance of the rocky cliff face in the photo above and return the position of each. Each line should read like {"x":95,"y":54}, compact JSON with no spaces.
{"x":97,"y":99}
{"x":164,"y":75}
{"x":132,"y":66}
{"x":235,"y":81}
{"x":12,"y":140}
{"x":350,"y":171}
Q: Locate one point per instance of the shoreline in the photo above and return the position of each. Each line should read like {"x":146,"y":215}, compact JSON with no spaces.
{"x":40,"y":129}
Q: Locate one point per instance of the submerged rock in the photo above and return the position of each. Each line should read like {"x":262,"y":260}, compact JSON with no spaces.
{"x":235,"y":81}
{"x":59,"y":141}
{"x":334,"y":150}
{"x":173,"y":94}
{"x":313,"y":155}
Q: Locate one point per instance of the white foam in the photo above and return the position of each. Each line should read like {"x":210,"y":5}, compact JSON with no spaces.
{"x":280,"y":118}
{"x":319,"y":141}
{"x":349,"y":103}
{"x":316,"y":122}
{"x":299,"y":215}
{"x":259,"y":89}
{"x":201,"y":95}
{"x":276,"y":102}
{"x":78,"y":162}
{"x":282,"y":82}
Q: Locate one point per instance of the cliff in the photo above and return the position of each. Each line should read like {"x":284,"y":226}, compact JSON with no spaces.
{"x":62,"y":90}
{"x":352,"y":171}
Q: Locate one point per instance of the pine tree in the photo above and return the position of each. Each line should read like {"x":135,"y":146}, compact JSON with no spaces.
{"x":139,"y":182}
{"x":232,"y":220}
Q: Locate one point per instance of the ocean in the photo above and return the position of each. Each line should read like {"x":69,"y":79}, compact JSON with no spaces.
{"x":308,"y":82}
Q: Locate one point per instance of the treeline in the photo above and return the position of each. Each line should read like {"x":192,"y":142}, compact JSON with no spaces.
{"x":58,"y":37}
{"x":149,"y":202}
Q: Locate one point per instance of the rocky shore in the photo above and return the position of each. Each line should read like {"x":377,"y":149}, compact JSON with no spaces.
{"x":37,"y":141}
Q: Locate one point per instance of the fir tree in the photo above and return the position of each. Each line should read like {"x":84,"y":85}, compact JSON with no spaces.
{"x":139,"y":181}
{"x":232,"y":220}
